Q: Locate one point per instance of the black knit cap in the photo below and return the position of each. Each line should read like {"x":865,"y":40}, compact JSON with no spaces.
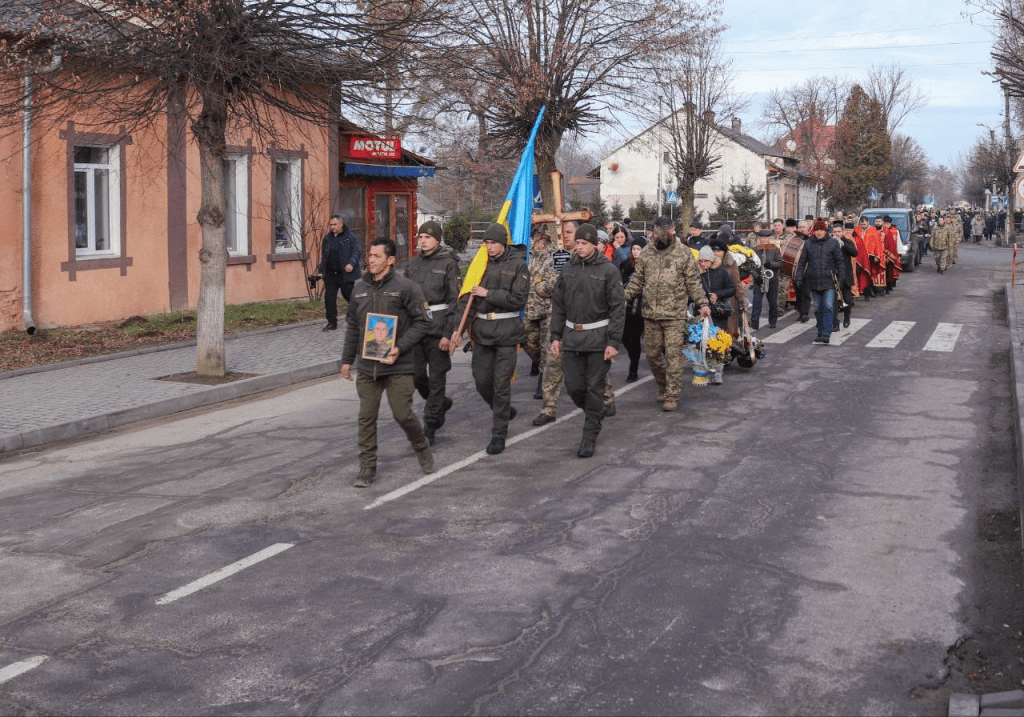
{"x":718,"y":244}
{"x":497,"y":233}
{"x":586,"y":232}
{"x":791,"y":222}
{"x":433,"y":229}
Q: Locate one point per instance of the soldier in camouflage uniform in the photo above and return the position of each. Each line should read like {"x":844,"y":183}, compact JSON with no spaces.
{"x":538,"y":307}
{"x":667,"y":277}
{"x":551,"y":377}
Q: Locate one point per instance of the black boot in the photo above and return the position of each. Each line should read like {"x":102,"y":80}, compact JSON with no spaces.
{"x":539,"y":393}
{"x":846,"y":317}
{"x":535,"y":368}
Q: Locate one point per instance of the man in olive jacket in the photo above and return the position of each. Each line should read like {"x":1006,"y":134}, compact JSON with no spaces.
{"x":497,"y":327}
{"x":384,"y":291}
{"x":588,"y":313}
{"x":436,"y":270}
{"x":667,"y":276}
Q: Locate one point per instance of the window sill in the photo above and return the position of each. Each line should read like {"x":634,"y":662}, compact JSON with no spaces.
{"x":287,"y":256}
{"x":241,"y":259}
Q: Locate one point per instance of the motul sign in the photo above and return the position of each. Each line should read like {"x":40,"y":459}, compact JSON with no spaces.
{"x":373,"y":148}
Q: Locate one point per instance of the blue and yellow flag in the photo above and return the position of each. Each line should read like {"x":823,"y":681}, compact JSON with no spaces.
{"x":516,"y":212}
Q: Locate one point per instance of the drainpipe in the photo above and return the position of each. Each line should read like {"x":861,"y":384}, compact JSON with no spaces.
{"x":26,"y":199}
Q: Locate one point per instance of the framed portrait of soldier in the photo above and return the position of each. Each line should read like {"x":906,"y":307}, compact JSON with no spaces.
{"x":379,"y":337}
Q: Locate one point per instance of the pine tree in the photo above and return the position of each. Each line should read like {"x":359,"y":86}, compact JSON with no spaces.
{"x":862,"y":151}
{"x":617,"y":212}
{"x":642,"y":211}
{"x":747,"y":203}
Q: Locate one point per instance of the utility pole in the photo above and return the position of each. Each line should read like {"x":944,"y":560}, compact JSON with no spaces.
{"x":1011,"y":191}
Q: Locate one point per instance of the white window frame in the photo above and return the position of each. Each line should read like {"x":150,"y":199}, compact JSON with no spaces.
{"x":236,"y":182}
{"x":292,"y":234}
{"x":113,"y":169}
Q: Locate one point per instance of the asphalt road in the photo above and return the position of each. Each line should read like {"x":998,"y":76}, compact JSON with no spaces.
{"x":796,"y":541}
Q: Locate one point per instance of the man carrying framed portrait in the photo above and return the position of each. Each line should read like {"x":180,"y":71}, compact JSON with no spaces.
{"x":386,"y":319}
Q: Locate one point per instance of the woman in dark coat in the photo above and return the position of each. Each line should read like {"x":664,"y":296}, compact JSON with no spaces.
{"x":718,"y":284}
{"x":634,"y":328}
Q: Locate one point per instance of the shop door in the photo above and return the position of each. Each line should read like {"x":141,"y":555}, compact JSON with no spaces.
{"x":391,"y":220}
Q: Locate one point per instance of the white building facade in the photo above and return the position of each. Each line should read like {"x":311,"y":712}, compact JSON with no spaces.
{"x":642,"y":168}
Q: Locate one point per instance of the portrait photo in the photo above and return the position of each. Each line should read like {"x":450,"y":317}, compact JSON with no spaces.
{"x":379,"y":337}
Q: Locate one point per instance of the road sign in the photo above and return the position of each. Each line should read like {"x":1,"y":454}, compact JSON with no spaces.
{"x":671,"y":197}
{"x":929,"y":199}
{"x":995,"y":200}
{"x":873,"y":195}
{"x":1019,"y":167}
{"x":1019,"y":186}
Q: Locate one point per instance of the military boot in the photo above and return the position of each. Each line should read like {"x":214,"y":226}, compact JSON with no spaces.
{"x":365,"y":478}
{"x":539,"y":393}
{"x":426,"y":459}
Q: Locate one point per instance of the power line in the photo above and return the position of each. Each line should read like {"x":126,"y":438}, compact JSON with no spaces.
{"x":856,"y":67}
{"x":856,"y":49}
{"x":876,"y":32}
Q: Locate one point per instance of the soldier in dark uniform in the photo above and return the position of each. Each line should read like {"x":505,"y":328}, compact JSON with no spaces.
{"x":384,"y":291}
{"x":497,"y":327}
{"x":436,"y":269}
{"x":587,"y":316}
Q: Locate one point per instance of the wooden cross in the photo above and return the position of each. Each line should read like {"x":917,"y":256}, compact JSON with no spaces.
{"x":558,"y":216}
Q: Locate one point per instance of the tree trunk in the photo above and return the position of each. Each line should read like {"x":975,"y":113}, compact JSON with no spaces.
{"x":686,"y":199}
{"x":208,"y":129}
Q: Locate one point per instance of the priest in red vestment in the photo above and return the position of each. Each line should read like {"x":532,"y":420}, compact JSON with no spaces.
{"x":891,"y":241}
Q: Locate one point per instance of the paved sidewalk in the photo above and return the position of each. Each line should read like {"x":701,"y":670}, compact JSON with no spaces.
{"x":82,"y":397}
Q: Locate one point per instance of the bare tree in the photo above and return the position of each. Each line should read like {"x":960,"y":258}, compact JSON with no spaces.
{"x":909,"y":168}
{"x":695,"y":88}
{"x":894,"y":90}
{"x":581,"y":59}
{"x":226,"y":64}
{"x":803,"y":117}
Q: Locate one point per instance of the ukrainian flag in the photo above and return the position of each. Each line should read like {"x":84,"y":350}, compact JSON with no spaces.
{"x":516,"y":212}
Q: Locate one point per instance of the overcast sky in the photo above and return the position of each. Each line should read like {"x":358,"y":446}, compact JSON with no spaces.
{"x":778,"y":45}
{"x":775,"y":45}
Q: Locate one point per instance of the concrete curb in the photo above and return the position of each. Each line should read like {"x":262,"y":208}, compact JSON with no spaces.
{"x":214,"y":394}
{"x":147,"y":350}
{"x":1017,"y":379}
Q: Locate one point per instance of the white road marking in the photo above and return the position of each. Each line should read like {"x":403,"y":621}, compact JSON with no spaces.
{"x":840,"y":337}
{"x":20,"y":668}
{"x":224,"y":572}
{"x":892,"y":335}
{"x":788,"y":333}
{"x":944,"y":337}
{"x":448,"y":470}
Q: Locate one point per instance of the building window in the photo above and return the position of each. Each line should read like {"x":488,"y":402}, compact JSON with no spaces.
{"x":288,"y":205}
{"x":236,"y":204}
{"x":666,"y":158}
{"x":97,"y":201}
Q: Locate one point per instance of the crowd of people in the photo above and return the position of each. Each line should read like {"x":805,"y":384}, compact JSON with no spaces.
{"x":573,"y":303}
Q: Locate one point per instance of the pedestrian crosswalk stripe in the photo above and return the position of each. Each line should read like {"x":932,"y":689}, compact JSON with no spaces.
{"x":944,"y":337}
{"x":892,"y":335}
{"x":790,"y":332}
{"x":840,"y":337}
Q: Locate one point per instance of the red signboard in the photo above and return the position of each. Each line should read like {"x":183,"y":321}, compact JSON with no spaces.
{"x":375,"y":148}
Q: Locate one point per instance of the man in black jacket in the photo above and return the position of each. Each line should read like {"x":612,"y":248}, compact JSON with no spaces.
{"x":497,"y":328}
{"x":436,"y":269}
{"x":339,"y":266}
{"x":821,"y":263}
{"x":767,"y":287}
{"x":588,"y":309}
{"x":384,"y":291}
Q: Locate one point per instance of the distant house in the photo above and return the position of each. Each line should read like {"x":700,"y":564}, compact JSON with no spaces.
{"x":636,"y":168}
{"x":427,"y":210}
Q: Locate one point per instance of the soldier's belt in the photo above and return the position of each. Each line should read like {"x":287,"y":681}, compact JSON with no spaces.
{"x":438,"y":307}
{"x":495,"y":317}
{"x":586,"y":327}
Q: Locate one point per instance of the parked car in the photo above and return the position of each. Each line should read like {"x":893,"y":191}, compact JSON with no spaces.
{"x":903,"y":219}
